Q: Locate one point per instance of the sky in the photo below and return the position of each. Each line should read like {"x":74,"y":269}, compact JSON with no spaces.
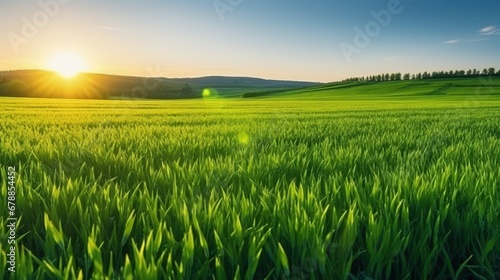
{"x":308,"y":40}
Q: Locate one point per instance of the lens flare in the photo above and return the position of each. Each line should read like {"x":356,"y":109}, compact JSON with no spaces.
{"x":243,"y":138}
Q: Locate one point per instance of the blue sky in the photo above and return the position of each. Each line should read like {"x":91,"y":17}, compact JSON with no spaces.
{"x":292,"y":40}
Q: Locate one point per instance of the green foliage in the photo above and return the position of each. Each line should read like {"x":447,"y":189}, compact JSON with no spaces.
{"x":14,"y":88}
{"x":426,"y":75}
{"x":31,"y":83}
{"x":314,"y":190}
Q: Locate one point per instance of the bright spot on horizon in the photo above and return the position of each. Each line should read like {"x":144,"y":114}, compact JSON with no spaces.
{"x":210,"y":94}
{"x":66,"y":64}
{"x":206,"y":92}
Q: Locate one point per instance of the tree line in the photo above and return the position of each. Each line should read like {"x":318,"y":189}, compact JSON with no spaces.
{"x":18,"y":87}
{"x":426,"y":75}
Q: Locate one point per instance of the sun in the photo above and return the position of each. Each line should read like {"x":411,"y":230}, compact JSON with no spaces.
{"x":66,"y":64}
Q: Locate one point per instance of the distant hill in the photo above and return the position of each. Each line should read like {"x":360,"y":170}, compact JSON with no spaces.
{"x":39,"y":83}
{"x":235,"y":86}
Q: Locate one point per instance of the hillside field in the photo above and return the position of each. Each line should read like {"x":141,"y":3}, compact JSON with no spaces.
{"x":388,"y":181}
{"x":458,"y":89}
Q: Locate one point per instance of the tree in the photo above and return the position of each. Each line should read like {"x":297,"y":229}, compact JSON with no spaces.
{"x":186,"y":90}
{"x":14,"y":88}
{"x":425,"y":75}
{"x":3,"y":80}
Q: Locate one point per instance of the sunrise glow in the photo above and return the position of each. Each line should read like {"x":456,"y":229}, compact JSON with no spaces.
{"x":66,"y":64}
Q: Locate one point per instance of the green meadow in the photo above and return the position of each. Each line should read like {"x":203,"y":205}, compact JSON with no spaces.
{"x":396,"y":180}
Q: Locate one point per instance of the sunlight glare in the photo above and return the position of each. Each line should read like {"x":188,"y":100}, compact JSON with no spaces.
{"x":66,"y":65}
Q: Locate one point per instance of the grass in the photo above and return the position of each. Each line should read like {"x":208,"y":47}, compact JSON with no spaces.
{"x":254,"y":189}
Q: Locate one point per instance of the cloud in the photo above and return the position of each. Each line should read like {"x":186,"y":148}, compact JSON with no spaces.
{"x":112,"y":29}
{"x":478,"y":39}
{"x":452,"y":41}
{"x":489,"y":30}
{"x":484,"y":34}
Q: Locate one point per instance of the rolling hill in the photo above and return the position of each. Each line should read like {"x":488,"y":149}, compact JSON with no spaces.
{"x":39,"y":83}
{"x":458,"y":88}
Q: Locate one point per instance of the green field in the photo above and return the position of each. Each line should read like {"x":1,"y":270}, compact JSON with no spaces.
{"x":323,"y":183}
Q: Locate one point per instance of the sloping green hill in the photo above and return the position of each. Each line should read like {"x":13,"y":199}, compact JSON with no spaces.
{"x":413,"y":89}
